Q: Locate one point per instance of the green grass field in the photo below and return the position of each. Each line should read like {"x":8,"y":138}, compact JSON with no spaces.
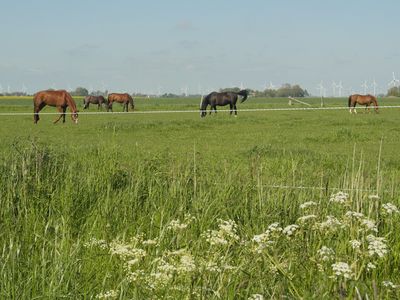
{"x":172,"y":206}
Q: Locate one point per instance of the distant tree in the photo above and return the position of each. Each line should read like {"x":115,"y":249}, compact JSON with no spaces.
{"x":80,"y":91}
{"x":394,"y":92}
{"x":232,"y":89}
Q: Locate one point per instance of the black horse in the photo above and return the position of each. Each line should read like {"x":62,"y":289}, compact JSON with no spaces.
{"x":221,"y":99}
{"x":99,"y":100}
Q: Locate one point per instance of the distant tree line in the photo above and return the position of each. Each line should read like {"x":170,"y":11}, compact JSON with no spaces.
{"x":285,"y":90}
{"x":394,"y":92}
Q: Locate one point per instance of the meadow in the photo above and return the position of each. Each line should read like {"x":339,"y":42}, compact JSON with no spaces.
{"x":268,"y":205}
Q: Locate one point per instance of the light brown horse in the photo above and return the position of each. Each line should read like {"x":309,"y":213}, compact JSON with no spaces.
{"x":60,"y":99}
{"x":124,"y":99}
{"x":366,"y":100}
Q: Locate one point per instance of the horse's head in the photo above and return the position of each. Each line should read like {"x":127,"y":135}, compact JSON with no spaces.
{"x":74,"y":116}
{"x":203,"y":107}
{"x":375,"y":104}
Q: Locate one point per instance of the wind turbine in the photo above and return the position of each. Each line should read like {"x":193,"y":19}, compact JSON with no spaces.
{"x":365,"y":86}
{"x":334,"y":88}
{"x":184,"y":91}
{"x":24,"y":88}
{"x":394,"y":82}
{"x":271,"y":86}
{"x":159,"y":88}
{"x":241,"y":86}
{"x":374,"y":85}
{"x":340,"y":87}
{"x":322,"y":92}
{"x":8,"y":89}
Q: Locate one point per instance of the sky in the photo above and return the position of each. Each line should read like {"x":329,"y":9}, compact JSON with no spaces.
{"x":159,"y":46}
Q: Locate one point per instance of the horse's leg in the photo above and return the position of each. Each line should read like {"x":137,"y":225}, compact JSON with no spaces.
{"x":234,"y":106}
{"x":61,"y":114}
{"x":230,"y":109}
{"x":64,"y":109}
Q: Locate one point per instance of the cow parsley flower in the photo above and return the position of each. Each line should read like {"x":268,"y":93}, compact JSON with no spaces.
{"x":326,"y":253}
{"x":369,"y":225}
{"x":342,"y":269}
{"x":331,"y":223}
{"x":226,"y":233}
{"x":256,"y":297}
{"x":376,"y":246}
{"x":305,"y":219}
{"x":389,"y":284}
{"x":339,"y":197}
{"x":308,"y":204}
{"x":390,"y":209}
{"x":370,"y":266}
{"x":111,"y":294}
{"x":354,"y":215}
{"x":93,"y":242}
{"x":290,"y":230}
{"x":355,"y":244}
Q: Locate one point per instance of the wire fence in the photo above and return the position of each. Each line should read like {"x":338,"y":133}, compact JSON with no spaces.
{"x":195,"y":111}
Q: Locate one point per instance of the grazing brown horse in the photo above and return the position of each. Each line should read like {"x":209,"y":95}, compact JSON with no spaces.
{"x":221,"y":99}
{"x":99,"y":100}
{"x":366,"y":100}
{"x":60,"y":99}
{"x":124,"y":99}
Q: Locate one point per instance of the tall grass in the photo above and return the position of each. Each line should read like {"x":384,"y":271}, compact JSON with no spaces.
{"x":86,"y":224}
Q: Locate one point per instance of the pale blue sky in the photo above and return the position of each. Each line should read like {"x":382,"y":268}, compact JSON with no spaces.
{"x":156,"y":45}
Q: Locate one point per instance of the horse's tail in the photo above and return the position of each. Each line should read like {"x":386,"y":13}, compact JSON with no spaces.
{"x":244,"y":94}
{"x":350,"y":100}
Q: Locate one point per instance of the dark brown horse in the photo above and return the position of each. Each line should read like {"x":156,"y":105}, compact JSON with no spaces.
{"x":99,"y":100}
{"x":124,"y":99}
{"x":221,"y":99}
{"x":60,"y":99}
{"x":366,"y":100}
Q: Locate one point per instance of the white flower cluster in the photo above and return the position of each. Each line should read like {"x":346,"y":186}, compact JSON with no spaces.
{"x":308,"y":204}
{"x":369,"y":225}
{"x":265,"y":239}
{"x":93,"y":242}
{"x":225,"y":234}
{"x":354,"y":215}
{"x":175,"y":263}
{"x":389,"y":209}
{"x":389,"y":284}
{"x":370,"y":266}
{"x":326,"y":253}
{"x":342,"y":269}
{"x":127,"y":251}
{"x":305,"y":219}
{"x":339,"y":197}
{"x":256,"y":297}
{"x":290,"y":230}
{"x":355,"y":244}
{"x":177,"y":225}
{"x":330,"y":224}
{"x":150,"y":242}
{"x":376,"y":246}
{"x":111,"y":294}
